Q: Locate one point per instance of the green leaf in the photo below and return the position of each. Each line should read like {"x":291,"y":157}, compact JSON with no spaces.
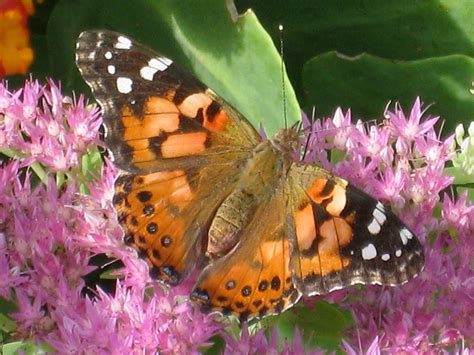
{"x":236,"y":59}
{"x":91,"y":164}
{"x":12,"y":348}
{"x":366,"y":83}
{"x":397,"y":30}
{"x":392,"y":29}
{"x":217,"y":347}
{"x":25,"y":347}
{"x":6,"y":324}
{"x":460,"y":177}
{"x":7,"y":306}
{"x":321,"y":327}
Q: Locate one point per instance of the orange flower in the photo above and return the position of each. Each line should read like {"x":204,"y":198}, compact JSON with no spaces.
{"x":16,"y":54}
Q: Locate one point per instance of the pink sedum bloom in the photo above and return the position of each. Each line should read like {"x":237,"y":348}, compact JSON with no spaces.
{"x":38,"y":121}
{"x":50,"y":234}
{"x":408,"y":129}
{"x":259,"y":343}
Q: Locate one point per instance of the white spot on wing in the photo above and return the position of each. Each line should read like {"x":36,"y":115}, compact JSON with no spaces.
{"x":385,"y":257}
{"x":123,"y":43}
{"x":147,"y":73}
{"x":369,"y":252}
{"x":398,"y":253}
{"x":405,"y":234}
{"x":374,"y":227}
{"x":378,"y":220}
{"x":380,"y":216}
{"x":108,"y":55}
{"x":380,"y":206}
{"x":160,"y":63}
{"x":111,"y":69}
{"x":124,"y":85}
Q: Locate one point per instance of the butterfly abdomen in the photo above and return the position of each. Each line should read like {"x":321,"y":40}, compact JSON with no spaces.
{"x":231,"y":217}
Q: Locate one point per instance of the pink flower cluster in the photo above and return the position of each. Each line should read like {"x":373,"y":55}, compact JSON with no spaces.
{"x":38,"y":122}
{"x":49,"y":233}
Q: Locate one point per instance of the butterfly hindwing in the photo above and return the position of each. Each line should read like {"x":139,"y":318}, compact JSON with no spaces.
{"x":345,"y":237}
{"x":254,"y":279}
{"x":164,"y":218}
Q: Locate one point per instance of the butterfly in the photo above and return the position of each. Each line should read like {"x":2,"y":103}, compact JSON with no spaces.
{"x":200,"y":189}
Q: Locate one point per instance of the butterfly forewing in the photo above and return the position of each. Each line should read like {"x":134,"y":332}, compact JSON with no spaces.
{"x":158,"y":116}
{"x":179,"y":144}
{"x":345,"y":237}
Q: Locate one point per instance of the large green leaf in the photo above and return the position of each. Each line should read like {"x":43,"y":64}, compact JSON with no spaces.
{"x":397,"y":30}
{"x":320,"y":327}
{"x":366,"y":83}
{"x":237,"y":59}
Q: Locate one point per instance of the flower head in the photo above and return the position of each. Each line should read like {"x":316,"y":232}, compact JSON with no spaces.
{"x":50,"y":232}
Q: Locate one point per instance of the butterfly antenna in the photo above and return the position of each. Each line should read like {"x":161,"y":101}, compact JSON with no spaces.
{"x":313,"y":115}
{"x":280,"y":29}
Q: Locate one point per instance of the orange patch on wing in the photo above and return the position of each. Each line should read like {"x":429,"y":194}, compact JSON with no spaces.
{"x":170,"y":185}
{"x":182,"y":195}
{"x":213,"y":121}
{"x":159,"y":115}
{"x":305,"y":227}
{"x":274,"y":250}
{"x":323,"y":264}
{"x":217,"y":122}
{"x":179,"y":145}
{"x":333,"y":262}
{"x":167,"y":193}
{"x":338,"y":202}
{"x":335,"y":233}
{"x":172,"y":227}
{"x":141,"y":151}
{"x":316,"y":189}
{"x":266,"y":266}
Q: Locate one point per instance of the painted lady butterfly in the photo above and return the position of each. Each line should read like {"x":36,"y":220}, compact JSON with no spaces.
{"x":199,"y":182}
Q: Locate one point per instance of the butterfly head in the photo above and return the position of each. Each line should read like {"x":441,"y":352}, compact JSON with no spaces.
{"x":286,"y":142}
